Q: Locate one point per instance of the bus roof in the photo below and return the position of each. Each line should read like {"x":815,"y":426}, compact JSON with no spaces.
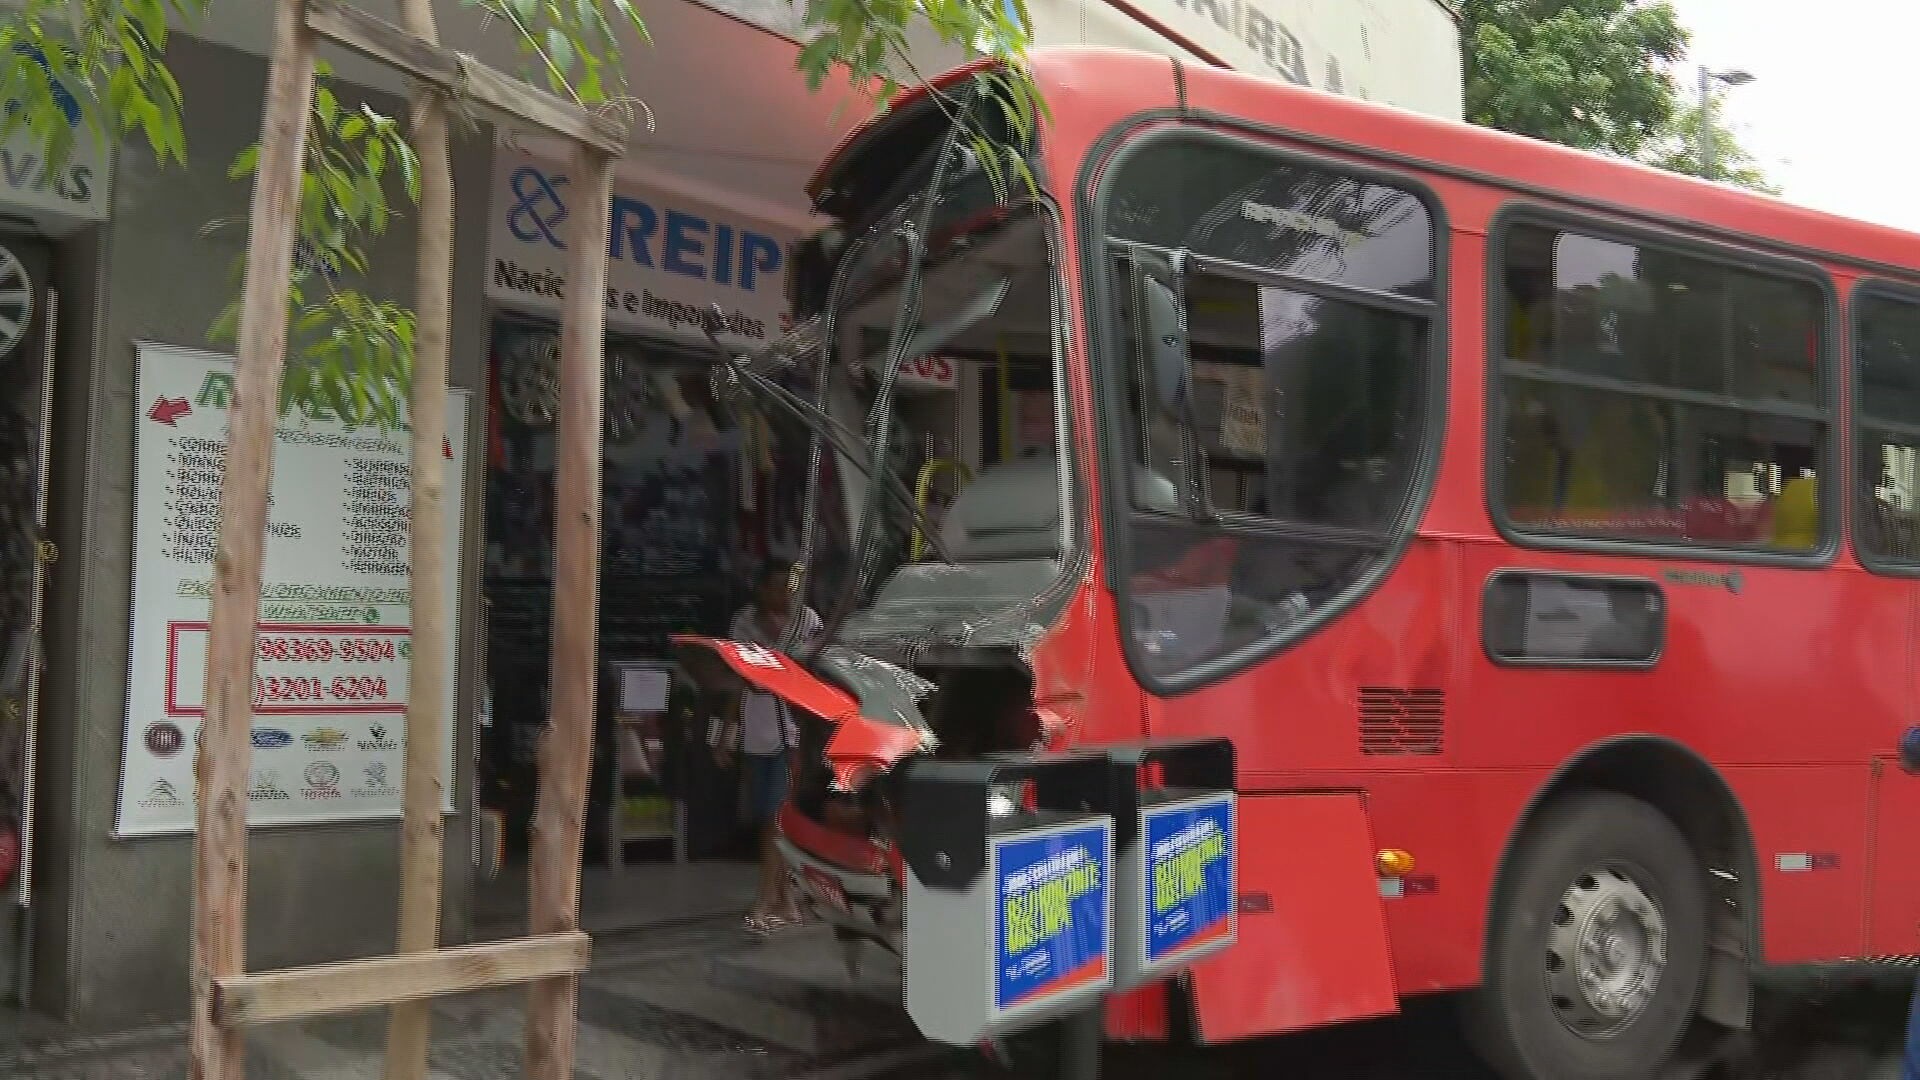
{"x":1091,"y":90}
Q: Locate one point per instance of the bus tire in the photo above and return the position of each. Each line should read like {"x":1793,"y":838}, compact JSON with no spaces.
{"x":1597,"y":950}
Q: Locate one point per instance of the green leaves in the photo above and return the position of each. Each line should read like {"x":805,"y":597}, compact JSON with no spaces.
{"x":867,"y":39}
{"x":349,"y":355}
{"x":1591,"y":74}
{"x":570,"y":45}
{"x":1678,"y":150}
{"x":1586,"y":73}
{"x":97,"y":62}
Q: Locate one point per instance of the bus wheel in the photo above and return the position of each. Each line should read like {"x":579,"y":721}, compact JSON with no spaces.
{"x":1598,"y":945}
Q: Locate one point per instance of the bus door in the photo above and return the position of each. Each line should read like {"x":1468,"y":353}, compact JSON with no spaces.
{"x":1887,"y":530}
{"x":1887,"y":539}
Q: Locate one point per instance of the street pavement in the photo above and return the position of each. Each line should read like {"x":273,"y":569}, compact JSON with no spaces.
{"x":708,"y":1003}
{"x":1842,"y":1037}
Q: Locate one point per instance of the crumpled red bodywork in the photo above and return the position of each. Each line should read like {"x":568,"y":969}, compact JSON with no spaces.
{"x":860,"y":747}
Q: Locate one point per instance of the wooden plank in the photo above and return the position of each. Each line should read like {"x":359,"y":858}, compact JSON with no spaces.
{"x":218,"y":948}
{"x":410,"y":1030}
{"x":559,"y":825}
{"x":465,"y":79}
{"x":328,"y":989}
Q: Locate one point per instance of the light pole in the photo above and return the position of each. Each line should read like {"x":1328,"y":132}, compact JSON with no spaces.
{"x":1708,"y":77}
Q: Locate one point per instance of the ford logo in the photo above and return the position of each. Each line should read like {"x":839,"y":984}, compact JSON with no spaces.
{"x":270,"y":738}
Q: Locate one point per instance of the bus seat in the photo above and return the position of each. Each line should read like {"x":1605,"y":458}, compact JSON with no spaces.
{"x":1796,"y":515}
{"x":1154,"y":492}
{"x":1010,"y":511}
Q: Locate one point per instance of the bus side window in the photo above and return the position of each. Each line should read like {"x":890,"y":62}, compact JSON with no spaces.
{"x":1887,"y":472}
{"x":1309,"y":296}
{"x":1674,"y":398}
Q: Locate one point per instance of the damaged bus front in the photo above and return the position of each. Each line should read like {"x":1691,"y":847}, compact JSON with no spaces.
{"x":944,"y":249}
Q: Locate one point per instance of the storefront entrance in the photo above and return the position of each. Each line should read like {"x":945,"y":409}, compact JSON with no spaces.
{"x":674,"y":539}
{"x":698,"y":492}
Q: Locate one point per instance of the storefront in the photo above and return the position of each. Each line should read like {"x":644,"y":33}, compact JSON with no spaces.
{"x":698,"y":492}
{"x":692,"y":500}
{"x":48,"y":221}
{"x":107,"y":364}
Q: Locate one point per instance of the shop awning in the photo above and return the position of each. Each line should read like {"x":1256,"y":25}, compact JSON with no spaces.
{"x":733,"y":120}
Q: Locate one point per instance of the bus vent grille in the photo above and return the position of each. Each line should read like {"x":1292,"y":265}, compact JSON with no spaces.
{"x":1399,"y":720}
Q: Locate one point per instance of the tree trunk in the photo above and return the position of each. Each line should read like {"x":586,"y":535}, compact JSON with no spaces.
{"x":219,"y":945}
{"x":426,"y":727}
{"x":559,"y":820}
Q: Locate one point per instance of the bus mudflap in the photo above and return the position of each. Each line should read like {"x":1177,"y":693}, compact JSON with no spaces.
{"x":1312,"y":944}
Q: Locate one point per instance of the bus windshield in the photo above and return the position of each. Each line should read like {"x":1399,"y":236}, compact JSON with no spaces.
{"x":937,"y":510}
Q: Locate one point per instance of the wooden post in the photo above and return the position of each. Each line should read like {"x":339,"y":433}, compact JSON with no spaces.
{"x":559,"y":829}
{"x":421,"y":823}
{"x":225,"y":998}
{"x":219,"y":943}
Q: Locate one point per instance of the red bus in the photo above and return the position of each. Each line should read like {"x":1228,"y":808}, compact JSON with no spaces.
{"x":1541,"y":529}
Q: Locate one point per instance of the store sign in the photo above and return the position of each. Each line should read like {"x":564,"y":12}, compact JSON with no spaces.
{"x":1399,"y":52}
{"x":334,"y":645}
{"x":925,"y":373}
{"x":78,"y":189}
{"x":669,"y":260}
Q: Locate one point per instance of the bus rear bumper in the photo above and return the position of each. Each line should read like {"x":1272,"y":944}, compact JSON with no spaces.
{"x":859,"y":903}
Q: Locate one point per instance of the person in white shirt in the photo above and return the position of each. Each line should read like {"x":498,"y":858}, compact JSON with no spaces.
{"x":767,"y":738}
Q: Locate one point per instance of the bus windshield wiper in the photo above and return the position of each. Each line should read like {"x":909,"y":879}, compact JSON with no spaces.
{"x":844,"y":442}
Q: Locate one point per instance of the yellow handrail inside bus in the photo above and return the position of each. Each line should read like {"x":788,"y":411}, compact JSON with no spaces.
{"x":923,"y":488}
{"x":1006,"y":402}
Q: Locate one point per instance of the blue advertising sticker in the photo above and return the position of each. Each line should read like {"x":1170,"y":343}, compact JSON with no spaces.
{"x":1051,"y":912}
{"x":1189,"y":894}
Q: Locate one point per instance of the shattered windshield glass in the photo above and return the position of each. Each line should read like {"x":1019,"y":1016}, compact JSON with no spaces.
{"x":936,"y":511}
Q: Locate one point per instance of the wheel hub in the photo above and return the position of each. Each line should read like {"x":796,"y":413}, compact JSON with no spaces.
{"x":1605,"y":953}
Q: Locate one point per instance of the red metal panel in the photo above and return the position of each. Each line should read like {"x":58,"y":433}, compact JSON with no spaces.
{"x":1138,"y":1015}
{"x":1810,"y":832}
{"x":1313,"y":939}
{"x":1893,"y":927}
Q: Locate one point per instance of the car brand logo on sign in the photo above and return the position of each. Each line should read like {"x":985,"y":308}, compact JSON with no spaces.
{"x":267,"y":738}
{"x":266,"y":787}
{"x":165,"y":739}
{"x":161,"y":796}
{"x":377,"y":740}
{"x":323,"y":781}
{"x":325,"y":739}
{"x":376,"y":785}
